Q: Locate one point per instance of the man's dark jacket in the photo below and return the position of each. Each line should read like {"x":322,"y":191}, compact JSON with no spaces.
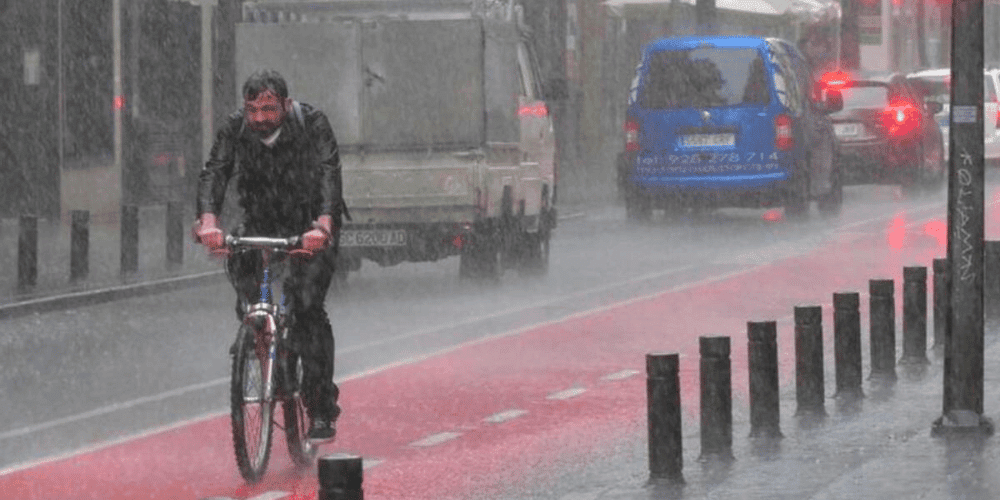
{"x":284,"y":187}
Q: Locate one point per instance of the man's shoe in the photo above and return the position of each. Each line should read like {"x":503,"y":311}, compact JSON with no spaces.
{"x":322,"y":429}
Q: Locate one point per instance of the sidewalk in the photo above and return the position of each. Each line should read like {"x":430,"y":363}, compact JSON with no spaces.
{"x":883,"y":449}
{"x":105,"y":276}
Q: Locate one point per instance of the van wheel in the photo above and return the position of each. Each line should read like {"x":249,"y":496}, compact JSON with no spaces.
{"x":797,"y":200}
{"x":832,"y":202}
{"x":638,"y":206}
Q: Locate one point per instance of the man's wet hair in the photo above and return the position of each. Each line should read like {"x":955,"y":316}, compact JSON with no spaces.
{"x":265,"y":80}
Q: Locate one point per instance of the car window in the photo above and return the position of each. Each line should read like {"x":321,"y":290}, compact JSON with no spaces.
{"x":989,"y":90}
{"x":704,"y":77}
{"x":785,"y":79}
{"x":865,"y":95}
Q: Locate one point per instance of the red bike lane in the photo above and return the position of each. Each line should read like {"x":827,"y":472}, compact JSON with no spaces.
{"x":477,"y":420}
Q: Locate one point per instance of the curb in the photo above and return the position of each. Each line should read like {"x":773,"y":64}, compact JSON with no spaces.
{"x":103,"y":295}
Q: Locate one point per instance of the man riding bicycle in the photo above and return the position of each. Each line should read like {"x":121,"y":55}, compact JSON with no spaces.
{"x":289,"y":184}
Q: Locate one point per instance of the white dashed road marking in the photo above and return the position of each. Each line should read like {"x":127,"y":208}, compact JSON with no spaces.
{"x":504,"y":416}
{"x":566,"y":394}
{"x":436,"y":439}
{"x":622,"y":375}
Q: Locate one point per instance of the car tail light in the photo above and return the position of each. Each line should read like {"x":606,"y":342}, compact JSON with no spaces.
{"x":783,"y":132}
{"x":901,"y":118}
{"x":998,"y":114}
{"x":631,"y":135}
{"x":835,"y":79}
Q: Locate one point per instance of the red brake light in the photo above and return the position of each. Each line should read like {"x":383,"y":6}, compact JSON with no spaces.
{"x":835,"y":79}
{"x":901,"y":118}
{"x":538,"y":109}
{"x":631,"y":135}
{"x":783,"y":138}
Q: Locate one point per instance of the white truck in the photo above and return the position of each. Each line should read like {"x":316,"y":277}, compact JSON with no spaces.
{"x":446,"y":144}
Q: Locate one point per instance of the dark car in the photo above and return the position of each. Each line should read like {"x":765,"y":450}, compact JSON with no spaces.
{"x":888,"y":134}
{"x":727,"y":121}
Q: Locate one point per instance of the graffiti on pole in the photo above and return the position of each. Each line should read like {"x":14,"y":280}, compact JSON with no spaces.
{"x":964,"y":208}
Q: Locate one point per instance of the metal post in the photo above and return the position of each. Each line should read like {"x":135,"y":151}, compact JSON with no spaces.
{"x":129,"y":239}
{"x":963,"y":377}
{"x":79,"y":246}
{"x":991,"y":281}
{"x":762,"y":354}
{"x":716,"y":398}
{"x":809,"y":360}
{"x":706,"y":16}
{"x":941,"y":301}
{"x":27,"y":252}
{"x":175,"y":233}
{"x":882,"y":318}
{"x":663,"y":400}
{"x":847,"y":344}
{"x":914,"y":315}
{"x":340,"y":477}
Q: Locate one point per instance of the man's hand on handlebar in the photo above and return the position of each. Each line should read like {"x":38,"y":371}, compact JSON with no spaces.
{"x":320,"y":236}
{"x":206,"y":232}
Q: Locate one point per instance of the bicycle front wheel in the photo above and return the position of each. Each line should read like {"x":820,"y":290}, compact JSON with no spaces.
{"x":296,"y":418}
{"x":251,"y":409}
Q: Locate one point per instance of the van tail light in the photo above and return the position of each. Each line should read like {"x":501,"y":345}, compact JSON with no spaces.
{"x":901,"y":118}
{"x":631,"y":135}
{"x":783,"y":132}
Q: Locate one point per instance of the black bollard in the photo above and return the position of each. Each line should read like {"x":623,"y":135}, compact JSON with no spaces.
{"x":175,"y":233}
{"x":809,"y":386}
{"x":762,"y":354}
{"x":129,"y":239}
{"x":79,"y":246}
{"x":914,"y":315}
{"x":941,"y":301}
{"x":847,"y":344}
{"x":991,"y":281}
{"x":663,"y":401}
{"x":882,"y":318}
{"x":27,"y":252}
{"x":340,"y":477}
{"x":716,"y":398}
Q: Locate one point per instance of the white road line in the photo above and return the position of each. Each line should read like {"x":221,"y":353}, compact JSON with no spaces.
{"x":622,"y":375}
{"x":271,"y":495}
{"x":435,"y":439}
{"x":368,"y":463}
{"x":505,"y":416}
{"x":566,"y":394}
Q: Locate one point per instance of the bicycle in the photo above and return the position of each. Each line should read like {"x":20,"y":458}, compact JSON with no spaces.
{"x":266,"y":369}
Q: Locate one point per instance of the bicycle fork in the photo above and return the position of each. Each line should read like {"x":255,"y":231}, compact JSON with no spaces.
{"x":261,"y":320}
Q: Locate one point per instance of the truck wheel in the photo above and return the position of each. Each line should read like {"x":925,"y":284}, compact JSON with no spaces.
{"x":535,"y":259}
{"x":480,"y":259}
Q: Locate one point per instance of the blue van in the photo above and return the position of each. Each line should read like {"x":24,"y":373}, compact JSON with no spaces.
{"x":728,"y":121}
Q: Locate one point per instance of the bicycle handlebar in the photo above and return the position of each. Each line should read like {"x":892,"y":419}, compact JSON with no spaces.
{"x":263,"y":242}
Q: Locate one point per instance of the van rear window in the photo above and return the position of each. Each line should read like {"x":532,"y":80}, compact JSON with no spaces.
{"x":704,"y":77}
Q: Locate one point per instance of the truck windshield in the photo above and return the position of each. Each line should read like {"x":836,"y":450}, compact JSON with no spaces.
{"x":705,"y":77}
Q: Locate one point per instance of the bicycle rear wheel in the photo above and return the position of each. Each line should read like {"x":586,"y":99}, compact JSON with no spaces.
{"x":296,"y":417}
{"x":250,"y":410}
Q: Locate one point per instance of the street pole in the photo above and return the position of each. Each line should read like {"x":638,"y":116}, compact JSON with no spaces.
{"x":963,"y":377}
{"x":850,"y":43}
{"x":207,"y":113}
{"x":705,"y":16}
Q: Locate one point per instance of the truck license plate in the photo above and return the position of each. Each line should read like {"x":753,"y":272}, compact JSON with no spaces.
{"x":373,"y":237}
